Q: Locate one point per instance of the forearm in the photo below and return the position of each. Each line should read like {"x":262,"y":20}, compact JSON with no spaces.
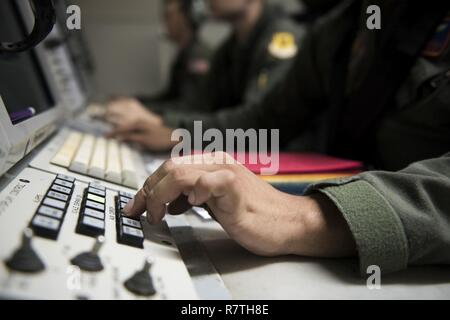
{"x":317,"y":229}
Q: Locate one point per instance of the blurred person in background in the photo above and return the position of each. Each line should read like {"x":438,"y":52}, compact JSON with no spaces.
{"x":253,"y":59}
{"x":386,"y":94}
{"x":183,"y":19}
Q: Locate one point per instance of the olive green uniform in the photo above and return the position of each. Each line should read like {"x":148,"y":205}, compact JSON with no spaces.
{"x":186,"y":79}
{"x":397,"y":218}
{"x":242,"y":73}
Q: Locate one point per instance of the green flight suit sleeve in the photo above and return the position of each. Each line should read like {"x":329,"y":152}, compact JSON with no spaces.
{"x":297,"y":95}
{"x":397,"y":219}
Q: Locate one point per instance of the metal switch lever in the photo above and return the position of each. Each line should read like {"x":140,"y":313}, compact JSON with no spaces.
{"x":25,"y":259}
{"x":141,"y":283}
{"x":90,"y":261}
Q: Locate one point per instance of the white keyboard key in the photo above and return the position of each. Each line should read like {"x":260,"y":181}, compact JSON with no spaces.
{"x":81,"y":162}
{"x":67,"y":152}
{"x":129,"y":177}
{"x":97,"y":166}
{"x":114,"y":167}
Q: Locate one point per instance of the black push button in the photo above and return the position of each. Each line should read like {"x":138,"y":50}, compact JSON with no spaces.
{"x":131,"y":236}
{"x":95,"y":205}
{"x":96,"y":198}
{"x":129,"y":231}
{"x":64,"y":183}
{"x":131,"y":223}
{"x":97,"y":186}
{"x":94,"y":213}
{"x":61,"y":189}
{"x":48,"y":219}
{"x":58,"y":196}
{"x":124,"y":199}
{"x":126,"y":195}
{"x":55,"y":203}
{"x":51,"y":212}
{"x":90,"y":226}
{"x":46,"y":227}
{"x":97,"y":192}
{"x":66,"y":178}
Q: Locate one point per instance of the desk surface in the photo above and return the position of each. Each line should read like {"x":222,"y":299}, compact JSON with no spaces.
{"x":251,"y":277}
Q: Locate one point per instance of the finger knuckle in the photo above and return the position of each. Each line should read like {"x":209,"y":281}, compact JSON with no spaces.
{"x":168,"y":166}
{"x":178,"y":173}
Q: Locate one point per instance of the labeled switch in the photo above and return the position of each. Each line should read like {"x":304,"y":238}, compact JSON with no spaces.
{"x":64,"y":183}
{"x":90,"y":226}
{"x":131,"y":236}
{"x":129,"y":231}
{"x":95,"y":205}
{"x":91,"y":221}
{"x":46,"y":227}
{"x":48,"y":220}
{"x":96,"y":198}
{"x":97,"y":192}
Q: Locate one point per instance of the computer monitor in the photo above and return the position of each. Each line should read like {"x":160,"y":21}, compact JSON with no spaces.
{"x":30,"y":105}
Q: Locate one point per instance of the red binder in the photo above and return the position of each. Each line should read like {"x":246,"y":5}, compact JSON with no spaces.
{"x":303,"y":163}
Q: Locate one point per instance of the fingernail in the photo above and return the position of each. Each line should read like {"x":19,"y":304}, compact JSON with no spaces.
{"x":128,"y":207}
{"x":149,"y":218}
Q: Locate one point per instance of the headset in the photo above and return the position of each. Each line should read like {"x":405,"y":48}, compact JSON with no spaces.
{"x":44,"y":20}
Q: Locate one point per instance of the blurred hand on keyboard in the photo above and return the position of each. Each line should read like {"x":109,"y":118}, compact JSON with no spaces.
{"x":134,"y":123}
{"x":257,"y":216}
{"x":124,"y":112}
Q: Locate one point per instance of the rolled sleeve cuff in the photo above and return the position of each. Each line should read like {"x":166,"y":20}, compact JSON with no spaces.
{"x":376,"y":228}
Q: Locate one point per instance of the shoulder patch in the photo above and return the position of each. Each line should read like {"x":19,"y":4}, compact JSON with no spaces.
{"x":283,"y":45}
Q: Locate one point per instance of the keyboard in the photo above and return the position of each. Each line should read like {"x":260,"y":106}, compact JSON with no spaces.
{"x":97,"y":157}
{"x":63,"y":238}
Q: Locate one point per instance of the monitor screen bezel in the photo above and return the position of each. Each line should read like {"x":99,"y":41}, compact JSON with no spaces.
{"x":26,"y":135}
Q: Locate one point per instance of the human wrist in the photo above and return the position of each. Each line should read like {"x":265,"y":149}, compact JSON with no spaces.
{"x":317,"y":228}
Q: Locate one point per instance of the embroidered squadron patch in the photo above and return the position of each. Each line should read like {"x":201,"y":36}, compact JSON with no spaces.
{"x":283,"y":45}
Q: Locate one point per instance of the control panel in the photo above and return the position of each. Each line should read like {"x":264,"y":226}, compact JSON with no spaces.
{"x":63,"y":238}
